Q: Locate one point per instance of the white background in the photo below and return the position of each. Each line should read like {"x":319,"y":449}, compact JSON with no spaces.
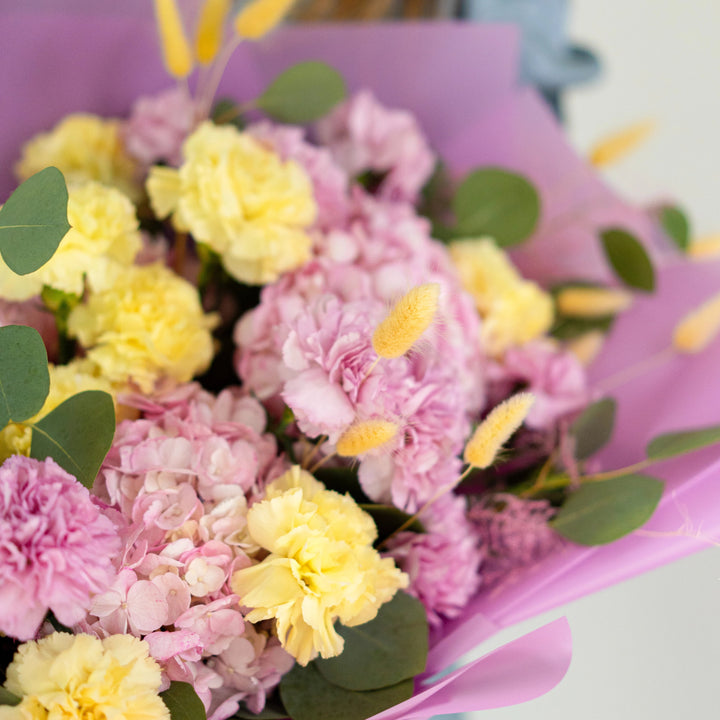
{"x":650,"y":647}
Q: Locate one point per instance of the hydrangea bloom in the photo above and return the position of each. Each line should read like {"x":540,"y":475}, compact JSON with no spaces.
{"x":364,"y":135}
{"x":55,"y":546}
{"x":66,"y":675}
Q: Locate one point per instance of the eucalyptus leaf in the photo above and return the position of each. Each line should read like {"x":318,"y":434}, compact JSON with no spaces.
{"x":498,"y":204}
{"x":307,"y":695}
{"x":24,"y":377}
{"x":389,"y":518}
{"x":33,"y":221}
{"x":8,"y":698}
{"x":567,"y":328}
{"x":303,"y":93}
{"x":385,"y":651}
{"x":628,"y":259}
{"x":593,"y":429}
{"x":675,"y":223}
{"x":77,"y":434}
{"x":679,"y":443}
{"x":343,"y":480}
{"x":601,"y":512}
{"x":182,"y":702}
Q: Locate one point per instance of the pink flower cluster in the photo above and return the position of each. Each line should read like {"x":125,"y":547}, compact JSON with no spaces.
{"x":55,"y":546}
{"x":364,"y":135}
{"x":182,"y":477}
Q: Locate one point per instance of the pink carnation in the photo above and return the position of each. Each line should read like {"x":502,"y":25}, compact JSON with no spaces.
{"x":55,"y":546}
{"x":158,"y":126}
{"x":364,"y":135}
{"x":33,"y":313}
{"x":443,"y":563}
{"x":514,"y":532}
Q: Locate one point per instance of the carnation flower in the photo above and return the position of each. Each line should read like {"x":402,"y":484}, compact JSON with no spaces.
{"x":514,"y":311}
{"x":321,"y":566}
{"x":66,"y":675}
{"x":103,"y":234}
{"x":55,"y":546}
{"x":364,"y":135}
{"x":83,"y":147}
{"x":240,"y":199}
{"x":147,"y":326}
{"x":158,"y":125}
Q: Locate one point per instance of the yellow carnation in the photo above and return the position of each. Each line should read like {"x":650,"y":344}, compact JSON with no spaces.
{"x":146,"y":327}
{"x":239,"y":198}
{"x":81,"y":676}
{"x":321,"y":567}
{"x":514,"y":310}
{"x":65,"y":381}
{"x":83,"y":147}
{"x":104,"y":232}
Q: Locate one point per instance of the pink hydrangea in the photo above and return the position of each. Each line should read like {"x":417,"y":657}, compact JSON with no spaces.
{"x":55,"y":546}
{"x":330,"y":182}
{"x":365,"y":135}
{"x":513,"y":531}
{"x":158,"y":125}
{"x":443,"y":563}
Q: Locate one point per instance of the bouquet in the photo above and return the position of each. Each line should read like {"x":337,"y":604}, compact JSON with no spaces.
{"x":336,"y":389}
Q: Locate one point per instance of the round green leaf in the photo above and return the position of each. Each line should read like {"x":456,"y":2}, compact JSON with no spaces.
{"x":307,"y":695}
{"x":8,"y":698}
{"x":388,"y":519}
{"x":77,"y":434}
{"x":182,"y":702}
{"x":593,"y":429}
{"x":601,"y":512}
{"x":498,"y":204}
{"x":24,"y":377}
{"x":628,"y":259}
{"x":679,"y":443}
{"x":33,"y":221}
{"x":675,"y":223}
{"x":391,"y":648}
{"x":303,"y":93}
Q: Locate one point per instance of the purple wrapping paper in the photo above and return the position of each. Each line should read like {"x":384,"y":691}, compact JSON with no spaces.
{"x":459,"y":80}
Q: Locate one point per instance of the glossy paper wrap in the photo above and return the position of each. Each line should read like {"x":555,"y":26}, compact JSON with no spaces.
{"x":459,"y":79}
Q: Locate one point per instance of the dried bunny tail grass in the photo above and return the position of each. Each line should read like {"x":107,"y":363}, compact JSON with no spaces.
{"x":698,"y":328}
{"x":592,"y":302}
{"x":409,"y":318}
{"x":705,"y":248}
{"x":365,"y":435}
{"x":617,"y":145}
{"x":175,"y":47}
{"x":495,"y":430}
{"x":210,"y":29}
{"x":587,"y":346}
{"x":259,"y":17}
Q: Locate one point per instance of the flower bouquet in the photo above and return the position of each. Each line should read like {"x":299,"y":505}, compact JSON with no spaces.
{"x":336,"y":389}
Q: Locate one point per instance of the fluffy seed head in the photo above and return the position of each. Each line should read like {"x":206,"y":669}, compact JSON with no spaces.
{"x":408,"y":320}
{"x":586,"y":347}
{"x":259,"y":17}
{"x":705,"y":247}
{"x":503,"y":420}
{"x":591,"y":302}
{"x":175,"y":48}
{"x":210,"y":27}
{"x":699,"y":327}
{"x":619,"y":144}
{"x":365,"y":435}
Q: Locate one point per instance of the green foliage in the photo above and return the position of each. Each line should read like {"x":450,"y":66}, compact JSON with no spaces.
{"x":679,"y":443}
{"x":182,"y":702}
{"x":273,"y":710}
{"x":385,"y":651}
{"x":628,"y":259}
{"x":8,"y":698}
{"x":228,"y":112}
{"x":601,"y":512}
{"x":303,"y":93}
{"x":593,"y":429}
{"x":343,"y":480}
{"x":24,"y":377}
{"x":33,"y":221}
{"x":307,"y":695}
{"x":676,"y":225}
{"x":388,"y":519}
{"x":77,"y":434}
{"x":498,"y":204}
